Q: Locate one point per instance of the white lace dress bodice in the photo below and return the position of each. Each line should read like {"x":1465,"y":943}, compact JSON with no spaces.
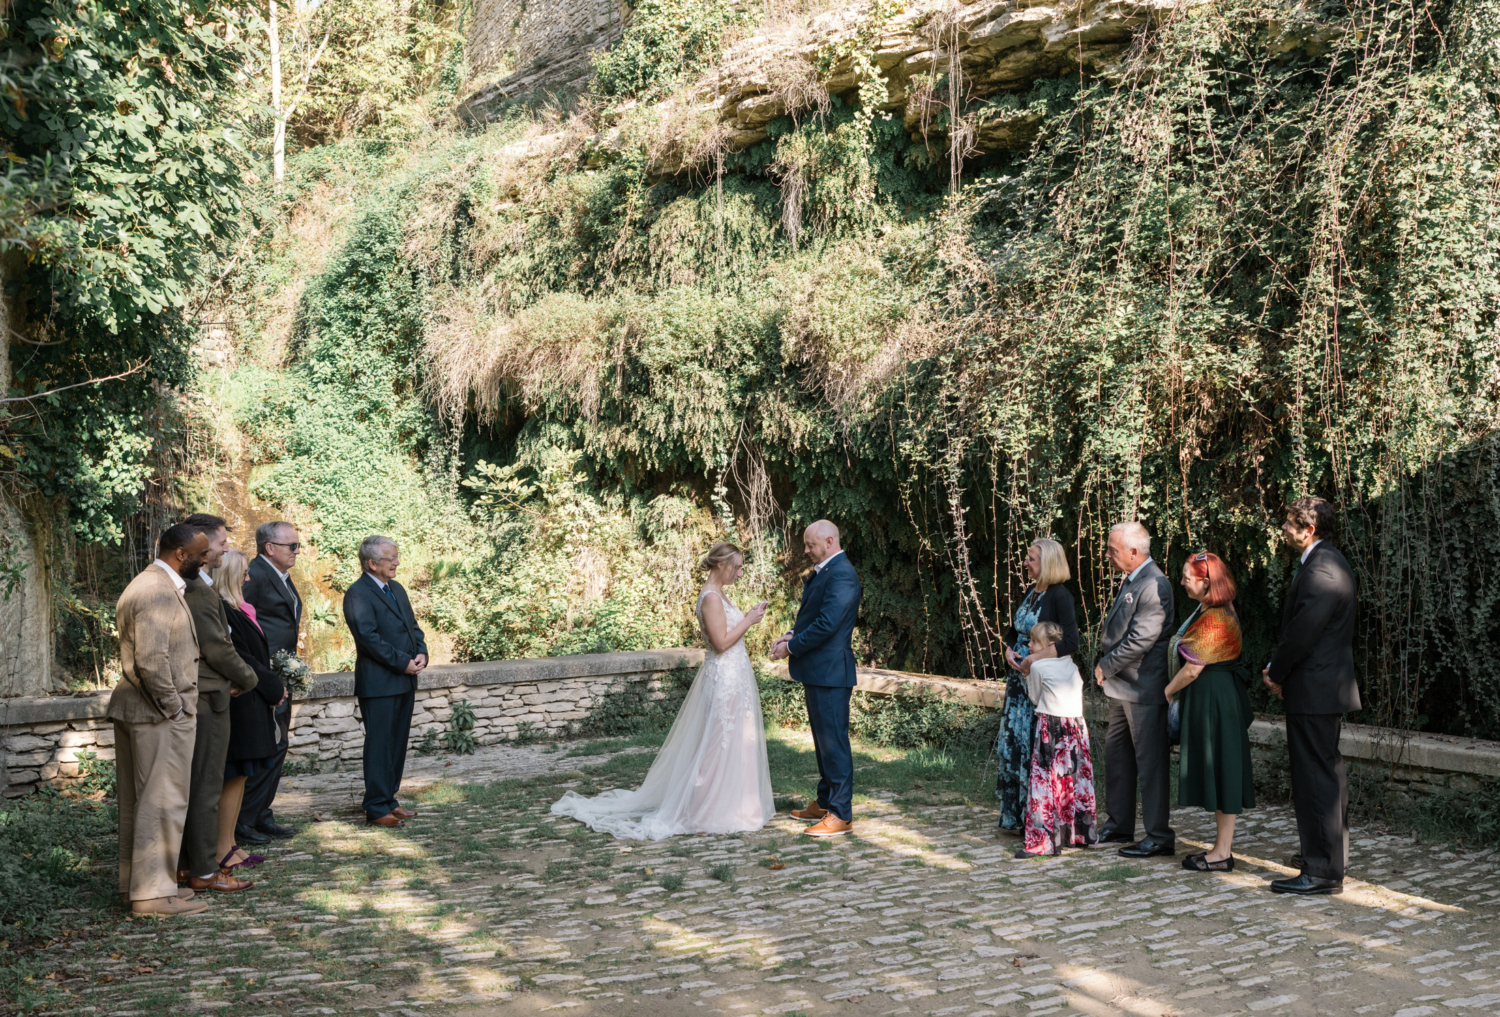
{"x":711,"y":774}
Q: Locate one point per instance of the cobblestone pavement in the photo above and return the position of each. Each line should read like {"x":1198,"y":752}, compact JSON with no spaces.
{"x":486,"y":904}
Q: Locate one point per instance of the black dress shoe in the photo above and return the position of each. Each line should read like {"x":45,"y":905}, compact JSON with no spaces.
{"x":1149,"y":848}
{"x":273,"y":829}
{"x":1115,"y":837}
{"x":1305,"y":885}
{"x":244,"y":835}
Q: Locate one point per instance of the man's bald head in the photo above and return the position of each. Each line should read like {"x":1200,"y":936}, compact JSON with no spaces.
{"x":820,"y":541}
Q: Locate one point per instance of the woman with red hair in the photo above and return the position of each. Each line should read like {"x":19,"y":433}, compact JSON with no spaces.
{"x":1214,"y":768}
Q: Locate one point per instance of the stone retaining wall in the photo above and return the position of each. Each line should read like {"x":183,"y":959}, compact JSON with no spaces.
{"x":43,"y":735}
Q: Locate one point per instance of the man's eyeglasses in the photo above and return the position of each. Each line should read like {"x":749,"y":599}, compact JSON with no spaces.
{"x":289,"y":547}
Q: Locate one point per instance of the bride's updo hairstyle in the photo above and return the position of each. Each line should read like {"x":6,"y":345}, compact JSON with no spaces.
{"x":717,"y":555}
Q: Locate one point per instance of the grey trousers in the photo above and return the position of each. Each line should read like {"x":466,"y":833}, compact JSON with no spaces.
{"x":1136,"y":748}
{"x":152,"y":766}
{"x":200,"y":831}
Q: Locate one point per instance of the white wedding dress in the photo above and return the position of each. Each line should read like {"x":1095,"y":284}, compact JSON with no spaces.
{"x":711,"y":775}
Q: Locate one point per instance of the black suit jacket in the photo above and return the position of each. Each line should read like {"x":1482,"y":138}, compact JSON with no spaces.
{"x":253,"y":732}
{"x":386,"y":638}
{"x":278,"y":606}
{"x":1314,"y":659}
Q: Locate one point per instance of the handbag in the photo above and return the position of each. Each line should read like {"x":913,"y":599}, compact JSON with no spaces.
{"x":1174,"y":721}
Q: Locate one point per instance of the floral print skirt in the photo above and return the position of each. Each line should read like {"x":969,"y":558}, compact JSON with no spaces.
{"x":1060,"y":808}
{"x":1014,"y":751}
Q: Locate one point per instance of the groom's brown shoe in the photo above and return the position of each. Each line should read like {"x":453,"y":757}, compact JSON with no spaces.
{"x":812,"y":812}
{"x":829,"y":826}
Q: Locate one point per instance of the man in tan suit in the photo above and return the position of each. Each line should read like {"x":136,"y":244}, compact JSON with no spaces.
{"x":153,"y":709}
{"x":222,"y":673}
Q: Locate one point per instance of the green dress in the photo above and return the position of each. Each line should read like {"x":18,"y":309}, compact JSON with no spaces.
{"x":1215,"y":770}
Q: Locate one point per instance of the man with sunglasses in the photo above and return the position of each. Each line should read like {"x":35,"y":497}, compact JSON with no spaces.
{"x":278,"y":610}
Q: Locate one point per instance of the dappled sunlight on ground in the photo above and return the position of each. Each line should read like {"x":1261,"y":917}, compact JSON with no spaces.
{"x":488,"y":904}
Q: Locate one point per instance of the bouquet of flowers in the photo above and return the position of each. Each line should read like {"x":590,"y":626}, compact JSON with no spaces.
{"x":294,"y":672}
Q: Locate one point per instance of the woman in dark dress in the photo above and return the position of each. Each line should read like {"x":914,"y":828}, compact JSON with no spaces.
{"x":1214,"y":769}
{"x":1047,"y":600}
{"x":253,"y":732}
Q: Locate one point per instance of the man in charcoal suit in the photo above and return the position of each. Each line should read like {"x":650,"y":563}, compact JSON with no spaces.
{"x":822,"y":659}
{"x":391,"y":652}
{"x":222,"y":674}
{"x":278,"y":611}
{"x":1312,"y":670}
{"x":1132,"y":669}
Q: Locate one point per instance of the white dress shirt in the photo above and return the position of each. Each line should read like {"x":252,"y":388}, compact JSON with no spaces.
{"x":823,"y":564}
{"x":1137,"y":571}
{"x":177,"y":579}
{"x":1309,"y":550}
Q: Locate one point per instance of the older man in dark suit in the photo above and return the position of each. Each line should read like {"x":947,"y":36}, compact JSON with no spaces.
{"x":1132,"y":669}
{"x":1312,"y":670}
{"x":278,"y":611}
{"x":391,"y":652}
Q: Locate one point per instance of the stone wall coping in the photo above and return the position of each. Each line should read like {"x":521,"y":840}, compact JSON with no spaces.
{"x":1449,"y":753}
{"x":51,"y":709}
{"x":1386,"y":745}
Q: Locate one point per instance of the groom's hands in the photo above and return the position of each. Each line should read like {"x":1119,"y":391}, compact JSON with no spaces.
{"x":778,"y":648}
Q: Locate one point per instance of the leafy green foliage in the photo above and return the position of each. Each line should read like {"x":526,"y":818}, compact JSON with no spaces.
{"x":48,"y":846}
{"x":459,"y":738}
{"x":97,"y":774}
{"x":668,"y":42}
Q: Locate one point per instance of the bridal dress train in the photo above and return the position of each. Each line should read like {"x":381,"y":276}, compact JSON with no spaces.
{"x":711,"y":775}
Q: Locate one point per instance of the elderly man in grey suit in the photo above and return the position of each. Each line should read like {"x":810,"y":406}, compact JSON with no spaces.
{"x":1132,"y":669}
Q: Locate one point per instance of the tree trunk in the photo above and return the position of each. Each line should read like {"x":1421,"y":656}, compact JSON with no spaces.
{"x":278,"y":146}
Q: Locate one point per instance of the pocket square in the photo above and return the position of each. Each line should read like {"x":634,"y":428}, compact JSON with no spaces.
{"x":1130,"y":598}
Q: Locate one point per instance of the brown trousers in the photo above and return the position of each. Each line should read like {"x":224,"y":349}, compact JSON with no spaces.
{"x":153,"y":765}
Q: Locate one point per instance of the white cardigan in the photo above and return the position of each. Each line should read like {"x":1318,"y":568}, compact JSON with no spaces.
{"x":1056,"y":687}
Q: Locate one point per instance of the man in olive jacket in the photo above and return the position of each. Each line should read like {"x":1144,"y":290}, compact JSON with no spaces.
{"x":153,"y":708}
{"x":222,"y":673}
{"x":1312,"y":670}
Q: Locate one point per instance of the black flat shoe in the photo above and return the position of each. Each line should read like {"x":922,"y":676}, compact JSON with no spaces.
{"x":245,"y":835}
{"x":1149,"y":848}
{"x":1200,"y":863}
{"x":270,"y":828}
{"x":1023,"y":853}
{"x":1305,"y":885}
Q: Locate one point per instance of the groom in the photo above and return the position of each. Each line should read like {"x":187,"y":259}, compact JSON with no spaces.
{"x":823,"y":661}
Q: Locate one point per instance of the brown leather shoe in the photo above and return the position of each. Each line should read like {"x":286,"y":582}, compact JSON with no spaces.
{"x":183,"y":875}
{"x":829,"y":826}
{"x":813,"y":811}
{"x":164,"y":907}
{"x":403,"y":813}
{"x":389,"y":819}
{"x":223,"y":881}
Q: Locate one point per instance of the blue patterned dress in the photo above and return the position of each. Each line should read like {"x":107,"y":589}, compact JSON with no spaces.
{"x":1017,"y":718}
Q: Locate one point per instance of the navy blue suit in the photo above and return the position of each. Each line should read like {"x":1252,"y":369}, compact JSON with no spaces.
{"x":386,"y":638}
{"x":822,"y":659}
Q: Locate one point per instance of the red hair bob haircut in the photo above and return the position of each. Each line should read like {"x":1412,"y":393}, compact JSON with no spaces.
{"x":1221,"y":588}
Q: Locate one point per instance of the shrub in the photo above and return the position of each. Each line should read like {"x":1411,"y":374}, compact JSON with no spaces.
{"x":633,"y":709}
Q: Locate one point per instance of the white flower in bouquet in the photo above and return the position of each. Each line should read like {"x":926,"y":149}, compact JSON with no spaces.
{"x":294,"y":672}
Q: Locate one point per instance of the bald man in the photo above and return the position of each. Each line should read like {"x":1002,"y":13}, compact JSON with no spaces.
{"x":822,"y":659}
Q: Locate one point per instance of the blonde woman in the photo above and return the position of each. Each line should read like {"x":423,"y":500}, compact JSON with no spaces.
{"x":1046,"y":600}
{"x":254,"y":736}
{"x":711,"y":774}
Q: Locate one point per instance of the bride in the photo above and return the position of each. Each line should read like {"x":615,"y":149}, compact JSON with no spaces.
{"x":711,"y":775}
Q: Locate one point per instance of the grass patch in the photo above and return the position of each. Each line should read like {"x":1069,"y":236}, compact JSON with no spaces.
{"x":723,"y":872}
{"x":599,"y":746}
{"x":671,"y":882}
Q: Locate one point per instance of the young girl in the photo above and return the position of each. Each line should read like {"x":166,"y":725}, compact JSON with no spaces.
{"x":1060,"y":812}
